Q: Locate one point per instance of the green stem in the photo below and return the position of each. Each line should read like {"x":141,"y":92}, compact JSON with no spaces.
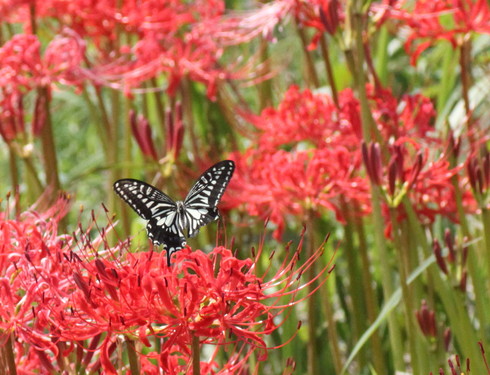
{"x":132,"y":356}
{"x":14,"y":178}
{"x":126,"y":162}
{"x":485,"y":215}
{"x":196,"y":355}
{"x":401,"y":249}
{"x":9,"y":352}
{"x":355,"y":58}
{"x":49,"y":148}
{"x":187,"y":114}
{"x":367,"y":283}
{"x":114,"y":154}
{"x":383,"y":257}
{"x":328,"y":67}
{"x":310,"y":66}
{"x":333,"y":337}
{"x":452,"y":300}
{"x":465,"y":67}
{"x":358,"y":308}
{"x":159,"y":105}
{"x":475,"y":271}
{"x":382,"y":55}
{"x":265,"y":87}
{"x":312,"y":350}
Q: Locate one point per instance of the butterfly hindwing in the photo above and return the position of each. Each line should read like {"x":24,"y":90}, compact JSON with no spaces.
{"x":200,"y":204}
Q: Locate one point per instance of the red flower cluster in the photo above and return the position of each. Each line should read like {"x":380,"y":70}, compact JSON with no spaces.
{"x":430,"y":21}
{"x":57,"y":300}
{"x":22,"y":69}
{"x":309,"y":157}
{"x":322,"y":15}
{"x":33,"y":281}
{"x":166,"y":38}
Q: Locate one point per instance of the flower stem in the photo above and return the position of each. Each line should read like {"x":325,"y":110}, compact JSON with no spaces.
{"x":457,"y":312}
{"x":328,"y":68}
{"x":312,"y":303}
{"x":196,"y":355}
{"x":358,"y":307}
{"x":465,"y":67}
{"x":367,"y":282}
{"x":133,"y":358}
{"x":333,"y":337}
{"x":310,"y":66}
{"x":9,"y":352}
{"x":14,"y":177}
{"x":387,"y":279}
{"x":402,"y":251}
{"x":355,"y":58}
{"x":474,"y":264}
{"x":49,"y":149}
{"x":265,"y":87}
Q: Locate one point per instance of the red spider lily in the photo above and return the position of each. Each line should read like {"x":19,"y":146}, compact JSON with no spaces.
{"x":275,"y":184}
{"x":29,"y":267}
{"x":166,"y":35}
{"x":428,"y":184}
{"x":219,"y":302}
{"x":449,"y":20}
{"x":56,"y":302}
{"x":304,"y":116}
{"x":233,"y":29}
{"x":22,"y":69}
{"x":412,"y":116}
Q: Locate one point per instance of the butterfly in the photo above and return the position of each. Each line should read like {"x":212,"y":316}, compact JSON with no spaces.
{"x":169,"y":221}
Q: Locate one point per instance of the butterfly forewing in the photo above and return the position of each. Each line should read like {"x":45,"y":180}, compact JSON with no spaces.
{"x":145,"y":199}
{"x":156,"y":207}
{"x":200,"y":204}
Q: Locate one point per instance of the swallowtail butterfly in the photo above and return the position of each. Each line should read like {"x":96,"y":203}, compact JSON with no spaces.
{"x":169,"y":222}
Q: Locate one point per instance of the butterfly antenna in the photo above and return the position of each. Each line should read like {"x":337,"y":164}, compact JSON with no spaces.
{"x":221,"y":232}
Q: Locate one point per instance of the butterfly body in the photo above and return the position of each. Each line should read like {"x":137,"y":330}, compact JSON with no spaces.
{"x":169,"y":221}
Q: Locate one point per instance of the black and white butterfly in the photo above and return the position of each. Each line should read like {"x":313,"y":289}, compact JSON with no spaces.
{"x":169,"y":222}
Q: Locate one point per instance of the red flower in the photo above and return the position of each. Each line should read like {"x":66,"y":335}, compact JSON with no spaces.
{"x":430,"y":21}
{"x":323,"y":15}
{"x":22,"y":69}
{"x":322,"y":168}
{"x":411,"y":172}
{"x":277,"y":184}
{"x":304,"y":116}
{"x":218,"y":302}
{"x":31,"y":278}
